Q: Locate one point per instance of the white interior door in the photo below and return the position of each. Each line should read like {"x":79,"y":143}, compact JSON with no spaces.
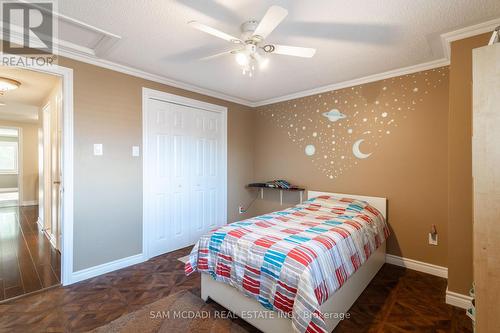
{"x":205,"y":187}
{"x":41,"y":179}
{"x":183,"y":175}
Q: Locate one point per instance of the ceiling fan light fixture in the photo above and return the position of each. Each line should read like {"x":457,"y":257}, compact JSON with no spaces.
{"x":261,"y":60}
{"x":253,"y":40}
{"x":242,"y":58}
{"x":7,"y":84}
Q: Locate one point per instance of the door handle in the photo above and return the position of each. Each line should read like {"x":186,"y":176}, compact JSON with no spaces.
{"x":56,"y":182}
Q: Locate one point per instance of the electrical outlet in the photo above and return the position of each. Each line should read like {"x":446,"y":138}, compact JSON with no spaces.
{"x":433,"y":239}
{"x":241,"y":210}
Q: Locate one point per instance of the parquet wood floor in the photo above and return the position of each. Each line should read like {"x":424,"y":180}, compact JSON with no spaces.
{"x":397,"y":300}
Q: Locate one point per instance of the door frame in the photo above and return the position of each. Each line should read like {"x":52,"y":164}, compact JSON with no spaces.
{"x":147,"y":94}
{"x":46,"y":130}
{"x":67,"y":212}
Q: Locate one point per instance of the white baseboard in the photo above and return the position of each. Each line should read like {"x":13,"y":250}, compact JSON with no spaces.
{"x":417,"y":265}
{"x":8,"y":190}
{"x":39,"y":221}
{"x":458,"y":300}
{"x":29,"y":203}
{"x":91,"y":272}
{"x":52,"y":240}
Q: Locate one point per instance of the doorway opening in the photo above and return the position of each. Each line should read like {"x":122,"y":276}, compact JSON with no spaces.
{"x":30,"y":182}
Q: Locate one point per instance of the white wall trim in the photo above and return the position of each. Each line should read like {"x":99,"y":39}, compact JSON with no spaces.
{"x":67,"y":203}
{"x":94,"y":271}
{"x":446,"y":39}
{"x":39,"y":221}
{"x":163,"y":96}
{"x":152,"y":77}
{"x":73,"y":51}
{"x":29,"y":203}
{"x":356,"y":82}
{"x":458,"y":300}
{"x":473,"y":30}
{"x":178,"y":84}
{"x":417,"y":265}
{"x":52,"y":240}
{"x":8,"y":189}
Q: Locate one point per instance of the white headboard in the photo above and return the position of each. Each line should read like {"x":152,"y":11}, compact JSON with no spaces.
{"x":379,"y":203}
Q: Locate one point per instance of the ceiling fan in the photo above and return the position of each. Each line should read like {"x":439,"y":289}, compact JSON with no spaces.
{"x":251,"y":48}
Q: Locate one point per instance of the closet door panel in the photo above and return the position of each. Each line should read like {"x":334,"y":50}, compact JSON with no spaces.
{"x":180,"y":231}
{"x":207,"y":178}
{"x":184,"y":180}
{"x":158,"y":169}
{"x":166,"y":168}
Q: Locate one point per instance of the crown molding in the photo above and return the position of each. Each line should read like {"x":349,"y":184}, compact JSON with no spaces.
{"x":356,"y":82}
{"x":93,"y":60}
{"x":80,"y":53}
{"x":94,"y":57}
{"x":107,"y":41}
{"x":473,"y":30}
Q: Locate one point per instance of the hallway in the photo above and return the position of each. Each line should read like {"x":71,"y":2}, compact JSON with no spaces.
{"x":28,"y":262}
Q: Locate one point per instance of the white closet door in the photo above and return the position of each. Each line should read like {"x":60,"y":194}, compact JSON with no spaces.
{"x":168,"y":179}
{"x":206,"y":170}
{"x":184,"y":175}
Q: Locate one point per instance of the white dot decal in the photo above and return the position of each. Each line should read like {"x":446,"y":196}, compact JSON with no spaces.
{"x":336,"y":140}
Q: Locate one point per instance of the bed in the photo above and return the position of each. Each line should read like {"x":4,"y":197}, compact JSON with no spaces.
{"x":296,"y":270}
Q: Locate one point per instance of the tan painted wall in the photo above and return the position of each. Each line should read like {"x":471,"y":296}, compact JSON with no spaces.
{"x":460,"y":164}
{"x":30,"y":158}
{"x":8,"y":181}
{"x":108,"y":189}
{"x":408,"y":164}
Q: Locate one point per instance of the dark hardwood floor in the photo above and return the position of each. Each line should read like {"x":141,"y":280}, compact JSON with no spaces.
{"x":28,"y":263}
{"x":397,"y":300}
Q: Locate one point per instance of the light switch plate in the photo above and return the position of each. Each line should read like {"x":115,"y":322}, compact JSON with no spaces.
{"x":136,"y":152}
{"x":98,"y":151}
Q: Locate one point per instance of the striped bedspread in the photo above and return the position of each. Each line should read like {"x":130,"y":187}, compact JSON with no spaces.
{"x":291,"y":261}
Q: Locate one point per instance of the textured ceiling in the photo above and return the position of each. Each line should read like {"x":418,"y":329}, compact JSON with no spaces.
{"x":353,"y":38}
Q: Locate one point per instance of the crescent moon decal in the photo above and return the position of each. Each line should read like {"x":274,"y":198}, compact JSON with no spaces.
{"x":357,"y":152}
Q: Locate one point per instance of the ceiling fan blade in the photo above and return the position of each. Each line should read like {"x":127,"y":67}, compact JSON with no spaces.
{"x":214,"y":32}
{"x":213,"y":56}
{"x":304,"y":52}
{"x":273,"y":17}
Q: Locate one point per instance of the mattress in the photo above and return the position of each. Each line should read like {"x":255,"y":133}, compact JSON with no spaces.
{"x":291,"y":261}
